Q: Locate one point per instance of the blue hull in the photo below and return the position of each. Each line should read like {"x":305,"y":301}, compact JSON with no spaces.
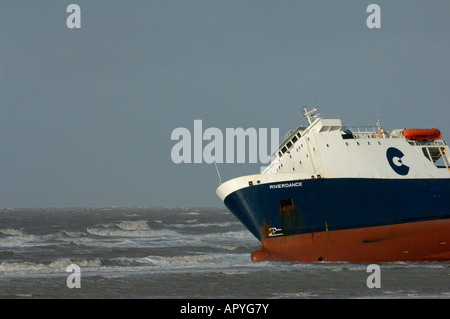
{"x":317,"y":205}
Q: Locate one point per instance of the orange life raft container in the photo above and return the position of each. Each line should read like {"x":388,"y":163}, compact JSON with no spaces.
{"x":422,"y":133}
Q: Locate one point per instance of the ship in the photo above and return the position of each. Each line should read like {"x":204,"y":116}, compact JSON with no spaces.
{"x":348,"y":194}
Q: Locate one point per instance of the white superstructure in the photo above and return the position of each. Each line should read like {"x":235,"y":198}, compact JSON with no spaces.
{"x":327,"y":149}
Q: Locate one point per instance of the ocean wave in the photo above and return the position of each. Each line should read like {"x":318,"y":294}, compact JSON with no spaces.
{"x":11,"y":231}
{"x":56,"y":266}
{"x":231,"y":263}
{"x":15,"y":237}
{"x":73,"y":234}
{"x":133,"y":225}
{"x":133,"y":234}
{"x":150,"y":233}
{"x":242,"y":236}
{"x":198,"y":261}
{"x":194,"y":224}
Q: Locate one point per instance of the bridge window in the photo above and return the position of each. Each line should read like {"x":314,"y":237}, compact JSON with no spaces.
{"x":437,"y":155}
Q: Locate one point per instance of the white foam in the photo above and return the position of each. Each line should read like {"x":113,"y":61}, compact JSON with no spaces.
{"x":199,"y":261}
{"x":193,"y":224}
{"x":133,"y":225}
{"x":191,"y":221}
{"x":130,"y":233}
{"x":17,"y":237}
{"x":74,"y":234}
{"x":60,"y":265}
{"x":11,"y":231}
{"x":242,"y":236}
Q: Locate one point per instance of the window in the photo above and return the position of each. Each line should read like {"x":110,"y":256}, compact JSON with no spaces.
{"x":347,"y":134}
{"x":437,"y":156}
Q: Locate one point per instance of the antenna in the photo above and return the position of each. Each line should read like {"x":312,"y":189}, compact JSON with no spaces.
{"x":310,"y":115}
{"x":220,"y":178}
{"x":383,"y":132}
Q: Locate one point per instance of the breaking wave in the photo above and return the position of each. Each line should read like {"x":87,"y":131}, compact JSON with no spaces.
{"x":56,"y":266}
{"x":111,"y":232}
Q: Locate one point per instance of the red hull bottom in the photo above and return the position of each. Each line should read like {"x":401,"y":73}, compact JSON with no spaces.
{"x":418,"y":241}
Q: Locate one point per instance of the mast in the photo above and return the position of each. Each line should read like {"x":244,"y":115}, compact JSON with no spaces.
{"x":310,"y":115}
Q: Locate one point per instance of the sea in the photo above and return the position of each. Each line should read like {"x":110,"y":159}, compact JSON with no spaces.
{"x":179,"y":253}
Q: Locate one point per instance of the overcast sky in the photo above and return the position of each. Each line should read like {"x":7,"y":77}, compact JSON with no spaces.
{"x":86,"y":115}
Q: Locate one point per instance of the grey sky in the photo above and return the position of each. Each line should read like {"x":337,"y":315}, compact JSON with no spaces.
{"x":86,"y":114}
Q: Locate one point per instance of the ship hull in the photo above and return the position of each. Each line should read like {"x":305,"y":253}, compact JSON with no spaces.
{"x":348,"y":219}
{"x":418,"y":241}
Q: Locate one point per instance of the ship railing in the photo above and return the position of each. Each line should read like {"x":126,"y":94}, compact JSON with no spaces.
{"x":427,"y":143}
{"x":361,"y":131}
{"x":287,"y":135}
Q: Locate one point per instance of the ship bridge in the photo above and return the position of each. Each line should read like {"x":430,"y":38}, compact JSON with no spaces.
{"x":326,"y":148}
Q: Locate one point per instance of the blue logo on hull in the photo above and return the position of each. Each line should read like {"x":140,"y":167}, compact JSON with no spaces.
{"x":394,"y":157}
